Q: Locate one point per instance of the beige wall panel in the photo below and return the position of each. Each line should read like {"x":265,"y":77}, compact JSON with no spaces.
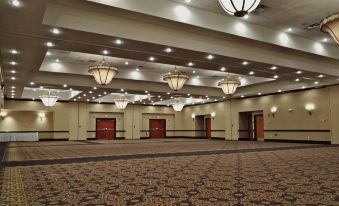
{"x":334,"y":102}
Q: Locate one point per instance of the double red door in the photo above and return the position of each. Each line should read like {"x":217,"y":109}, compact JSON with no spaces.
{"x":105,"y":128}
{"x":157,"y":128}
{"x":208,"y":127}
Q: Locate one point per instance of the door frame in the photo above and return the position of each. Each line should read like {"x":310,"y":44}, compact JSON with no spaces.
{"x":255,"y":126}
{"x":165,"y":126}
{"x":115,"y":126}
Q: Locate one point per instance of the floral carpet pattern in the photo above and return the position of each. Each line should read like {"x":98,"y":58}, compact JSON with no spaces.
{"x":289,"y":174}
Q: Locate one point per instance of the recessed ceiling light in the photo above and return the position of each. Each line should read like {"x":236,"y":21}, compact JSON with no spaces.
{"x":13,"y":51}
{"x":245,"y":63}
{"x":31,"y":83}
{"x":90,"y":92}
{"x":188,"y":1}
{"x":57,"y":60}
{"x":325,"y":39}
{"x":84,"y":95}
{"x":198,"y":77}
{"x":118,"y":41}
{"x":299,"y":72}
{"x":49,"y":44}
{"x":146,"y":91}
{"x":275,"y":76}
{"x":55,"y":31}
{"x":297,"y":80}
{"x":41,"y":87}
{"x":13,"y":63}
{"x":190,"y":64}
{"x":168,"y":93}
{"x":274,"y":67}
{"x":168,"y":50}
{"x":279,"y":90}
{"x":13,"y":71}
{"x":188,"y":94}
{"x":193,"y":71}
{"x":321,"y":76}
{"x":93,"y":97}
{"x":222,"y":69}
{"x":13,"y":78}
{"x":246,"y":16}
{"x":13,"y":87}
{"x":242,"y":96}
{"x":126,"y":63}
{"x":289,"y":29}
{"x":105,"y":52}
{"x":210,"y":57}
{"x":16,"y":3}
{"x":70,"y":89}
{"x":48,"y":53}
{"x":105,"y":93}
{"x":65,"y":85}
{"x":151,"y":58}
{"x":137,"y":69}
{"x":87,"y":100}
{"x":251,"y":73}
{"x":95,"y":88}
{"x":259,"y":94}
{"x":316,"y":82}
{"x":303,"y":87}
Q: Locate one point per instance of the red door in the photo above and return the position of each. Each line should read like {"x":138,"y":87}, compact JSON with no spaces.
{"x":157,"y":128}
{"x":208,"y":128}
{"x":105,"y":128}
{"x":259,"y":127}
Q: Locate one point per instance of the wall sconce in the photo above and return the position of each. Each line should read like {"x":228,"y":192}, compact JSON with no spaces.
{"x":274,"y":110}
{"x":193,"y":116}
{"x":310,"y":108}
{"x":3,"y":114}
{"x":41,"y":115}
{"x":213,"y":115}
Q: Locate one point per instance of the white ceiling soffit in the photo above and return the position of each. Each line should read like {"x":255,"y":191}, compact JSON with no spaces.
{"x":197,"y":17}
{"x":34,"y":93}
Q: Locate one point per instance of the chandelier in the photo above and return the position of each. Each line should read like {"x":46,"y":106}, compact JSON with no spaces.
{"x":121,"y":102}
{"x":331,"y":25}
{"x":176,"y":80}
{"x":228,"y":85}
{"x":48,"y":99}
{"x":178,"y":105}
{"x":239,"y":8}
{"x":103,"y":73}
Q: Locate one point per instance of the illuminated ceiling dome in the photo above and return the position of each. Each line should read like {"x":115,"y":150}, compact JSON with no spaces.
{"x":239,"y":8}
{"x":331,"y":25}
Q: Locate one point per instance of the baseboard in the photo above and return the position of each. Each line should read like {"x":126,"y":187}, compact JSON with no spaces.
{"x":298,"y":141}
{"x":218,"y":138}
{"x":117,"y":138}
{"x":52,"y":139}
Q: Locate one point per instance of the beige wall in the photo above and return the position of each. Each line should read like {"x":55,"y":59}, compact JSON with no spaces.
{"x":78,"y":118}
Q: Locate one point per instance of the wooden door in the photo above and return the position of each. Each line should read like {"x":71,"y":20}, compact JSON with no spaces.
{"x":250,"y":127}
{"x":259,"y":127}
{"x":208,"y":127}
{"x":105,"y":128}
{"x":157,"y":128}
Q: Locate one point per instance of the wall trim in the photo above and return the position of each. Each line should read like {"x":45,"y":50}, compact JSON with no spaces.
{"x":297,"y":130}
{"x":298,"y":141}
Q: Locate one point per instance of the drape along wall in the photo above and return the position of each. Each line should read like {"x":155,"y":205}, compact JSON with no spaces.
{"x":291,"y":121}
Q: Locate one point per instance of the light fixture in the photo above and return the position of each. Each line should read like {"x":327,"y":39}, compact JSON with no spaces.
{"x":13,"y":51}
{"x":245,"y":63}
{"x":274,"y":110}
{"x":239,"y":8}
{"x":193,"y":116}
{"x":121,"y":102}
{"x":41,"y":115}
{"x":213,"y":115}
{"x":48,"y":99}
{"x":228,"y":85}
{"x":188,"y":1}
{"x":275,"y":76}
{"x":190,"y":64}
{"x":13,"y":71}
{"x":13,"y":78}
{"x":310,"y":107}
{"x":16,"y":3}
{"x":105,"y":52}
{"x":65,"y":85}
{"x":55,"y":31}
{"x":103,"y":73}
{"x":152,"y":59}
{"x":210,"y":57}
{"x":3,"y":114}
{"x":168,"y":50}
{"x":331,"y":26}
{"x":299,"y":72}
{"x":13,"y":63}
{"x":289,"y":29}
{"x":118,"y":41}
{"x":49,"y":44}
{"x":321,"y":76}
{"x":251,"y":73}
{"x":176,"y":80}
{"x":222,"y":69}
{"x":178,"y":105}
{"x":274,"y":67}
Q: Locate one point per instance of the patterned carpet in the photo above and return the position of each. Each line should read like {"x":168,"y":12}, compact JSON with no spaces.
{"x":244,"y":173}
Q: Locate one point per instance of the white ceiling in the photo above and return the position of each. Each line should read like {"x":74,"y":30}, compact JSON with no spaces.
{"x":282,"y":14}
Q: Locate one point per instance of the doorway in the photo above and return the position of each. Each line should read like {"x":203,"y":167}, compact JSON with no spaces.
{"x":208,"y":127}
{"x":259,"y":127}
{"x":105,"y":128}
{"x":157,"y":128}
